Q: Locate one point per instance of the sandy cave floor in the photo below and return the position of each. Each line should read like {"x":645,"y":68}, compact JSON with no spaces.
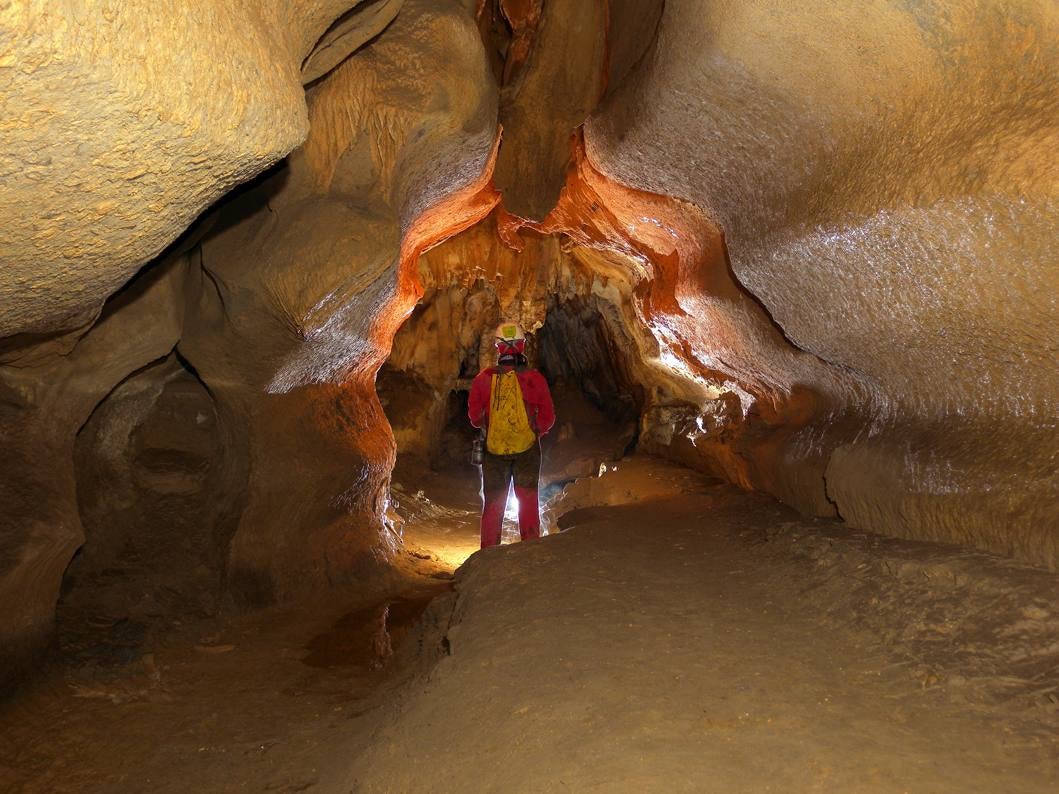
{"x":679,"y":635}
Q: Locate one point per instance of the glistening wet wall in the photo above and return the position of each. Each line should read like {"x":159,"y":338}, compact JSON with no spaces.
{"x":887,"y":186}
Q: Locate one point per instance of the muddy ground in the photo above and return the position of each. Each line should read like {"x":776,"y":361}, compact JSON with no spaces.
{"x":678,"y":635}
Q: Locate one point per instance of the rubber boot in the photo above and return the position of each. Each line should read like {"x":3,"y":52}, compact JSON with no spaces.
{"x":529,"y":513}
{"x":493,"y":518}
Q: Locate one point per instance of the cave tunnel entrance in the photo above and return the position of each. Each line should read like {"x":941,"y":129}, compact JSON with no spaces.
{"x":598,"y":400}
{"x":424,"y":386}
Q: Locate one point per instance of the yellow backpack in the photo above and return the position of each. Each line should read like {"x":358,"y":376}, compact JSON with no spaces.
{"x":509,"y":427}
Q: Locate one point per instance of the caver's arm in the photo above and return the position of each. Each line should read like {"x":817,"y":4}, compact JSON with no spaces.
{"x":478,"y":399}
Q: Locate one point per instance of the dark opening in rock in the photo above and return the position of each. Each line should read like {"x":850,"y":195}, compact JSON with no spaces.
{"x":151,"y":495}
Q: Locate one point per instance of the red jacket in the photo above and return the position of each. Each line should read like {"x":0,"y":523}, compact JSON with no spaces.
{"x":535,"y":394}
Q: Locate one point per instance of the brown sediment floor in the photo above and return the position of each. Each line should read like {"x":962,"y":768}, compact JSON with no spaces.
{"x":252,"y":702}
{"x":684,"y":636}
{"x":679,"y":635}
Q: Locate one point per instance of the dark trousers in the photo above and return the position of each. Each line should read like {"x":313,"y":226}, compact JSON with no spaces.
{"x":498,"y":472}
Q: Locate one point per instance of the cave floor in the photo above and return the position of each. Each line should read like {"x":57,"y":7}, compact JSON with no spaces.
{"x":678,"y":635}
{"x":684,"y":636}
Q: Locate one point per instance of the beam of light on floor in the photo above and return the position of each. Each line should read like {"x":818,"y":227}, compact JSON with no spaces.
{"x":509,"y":532}
{"x":511,"y":511}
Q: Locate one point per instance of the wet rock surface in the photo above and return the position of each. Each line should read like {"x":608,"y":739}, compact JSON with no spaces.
{"x":886,"y":201}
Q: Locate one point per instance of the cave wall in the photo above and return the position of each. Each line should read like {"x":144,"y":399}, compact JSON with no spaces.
{"x":886,"y":184}
{"x":125,"y":119}
{"x":155,"y":497}
{"x":283,"y":299}
{"x":47,"y":393}
{"x":436,"y":352}
{"x":577,"y":349}
{"x":305,"y":281}
{"x":823,"y":238}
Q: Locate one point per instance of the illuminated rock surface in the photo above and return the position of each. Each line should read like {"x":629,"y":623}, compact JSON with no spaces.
{"x":122,"y":122}
{"x":287,"y":355}
{"x":808,"y":251}
{"x":887,"y":187}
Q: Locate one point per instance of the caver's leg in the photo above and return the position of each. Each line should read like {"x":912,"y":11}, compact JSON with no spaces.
{"x":526,"y":473}
{"x":496,"y":474}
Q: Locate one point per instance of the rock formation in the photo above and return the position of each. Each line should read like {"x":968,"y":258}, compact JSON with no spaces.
{"x":123,"y":123}
{"x":886,"y":187}
{"x":46,"y":398}
{"x":357,"y":200}
{"x":816,"y":247}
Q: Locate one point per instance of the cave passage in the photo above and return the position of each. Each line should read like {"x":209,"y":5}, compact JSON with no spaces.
{"x":597,"y":400}
{"x":788,"y":268}
{"x":661,"y":626}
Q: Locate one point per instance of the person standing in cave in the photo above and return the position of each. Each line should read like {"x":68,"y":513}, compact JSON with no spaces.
{"x":512,"y":405}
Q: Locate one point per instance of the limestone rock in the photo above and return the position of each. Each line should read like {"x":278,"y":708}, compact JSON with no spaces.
{"x":887,"y":187}
{"x":278,"y":284}
{"x":347,"y":34}
{"x":43,"y":407}
{"x":553,"y":93}
{"x":310,"y":269}
{"x":122,"y":121}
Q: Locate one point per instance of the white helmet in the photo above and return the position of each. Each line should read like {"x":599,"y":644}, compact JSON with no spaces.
{"x":509,"y":341}
{"x":509,"y":332}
